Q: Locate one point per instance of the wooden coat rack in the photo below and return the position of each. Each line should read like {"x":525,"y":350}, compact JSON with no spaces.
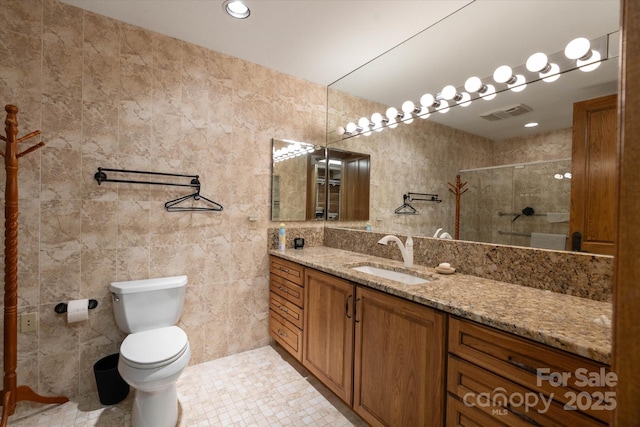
{"x":11,"y":393}
{"x":458,"y":191}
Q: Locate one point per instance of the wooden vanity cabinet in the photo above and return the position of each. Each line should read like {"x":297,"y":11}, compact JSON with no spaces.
{"x":399,"y":361}
{"x":385,"y":357}
{"x":488,"y":361}
{"x":286,"y":304}
{"x":328,"y":340}
{"x":382,"y":355}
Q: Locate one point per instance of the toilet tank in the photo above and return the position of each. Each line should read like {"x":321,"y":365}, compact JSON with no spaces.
{"x":141,"y":305}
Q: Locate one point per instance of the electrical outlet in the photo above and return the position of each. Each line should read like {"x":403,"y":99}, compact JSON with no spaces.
{"x":29,"y":322}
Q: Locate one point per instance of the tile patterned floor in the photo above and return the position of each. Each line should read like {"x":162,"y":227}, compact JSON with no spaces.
{"x":262,"y":387}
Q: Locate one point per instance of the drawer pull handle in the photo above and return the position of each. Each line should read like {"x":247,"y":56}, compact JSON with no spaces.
{"x":528,"y":368}
{"x":346,"y":306}
{"x":523,"y":417}
{"x":281,"y":308}
{"x":286,"y":270}
{"x":282,"y":334}
{"x":285,"y":290}
{"x":520,"y":365}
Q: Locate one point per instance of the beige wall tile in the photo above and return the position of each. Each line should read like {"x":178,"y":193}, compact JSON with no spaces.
{"x":107,"y":94}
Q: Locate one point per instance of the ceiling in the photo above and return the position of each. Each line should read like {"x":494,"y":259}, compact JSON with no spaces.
{"x":316,"y":40}
{"x":394,"y":50}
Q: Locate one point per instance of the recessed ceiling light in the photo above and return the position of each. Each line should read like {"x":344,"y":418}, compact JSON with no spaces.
{"x":531,"y":125}
{"x":236,"y":9}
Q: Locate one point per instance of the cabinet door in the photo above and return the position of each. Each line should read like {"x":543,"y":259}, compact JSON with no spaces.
{"x":593,"y":169}
{"x":328,"y":326}
{"x":399,"y":361}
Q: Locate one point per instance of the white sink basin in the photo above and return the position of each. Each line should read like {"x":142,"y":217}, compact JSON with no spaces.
{"x":398,"y":276}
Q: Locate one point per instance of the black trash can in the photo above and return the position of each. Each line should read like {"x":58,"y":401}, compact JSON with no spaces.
{"x":111,"y":387}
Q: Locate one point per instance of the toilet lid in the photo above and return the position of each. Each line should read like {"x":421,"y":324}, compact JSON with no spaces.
{"x":153,"y":347}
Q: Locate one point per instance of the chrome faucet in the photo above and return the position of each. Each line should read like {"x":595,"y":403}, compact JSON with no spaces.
{"x":405,"y":249}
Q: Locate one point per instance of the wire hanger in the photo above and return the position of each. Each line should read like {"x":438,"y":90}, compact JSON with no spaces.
{"x":171,"y":206}
{"x":406,"y":208}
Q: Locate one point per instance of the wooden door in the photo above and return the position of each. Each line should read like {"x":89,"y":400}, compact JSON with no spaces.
{"x":328,"y":326}
{"x":399,"y":361}
{"x":355,"y":185}
{"x":594,"y":174}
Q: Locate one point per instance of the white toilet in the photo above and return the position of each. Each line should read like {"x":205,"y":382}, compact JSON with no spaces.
{"x":155,"y":352}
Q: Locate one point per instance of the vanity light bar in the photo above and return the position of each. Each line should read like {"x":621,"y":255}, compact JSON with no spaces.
{"x":578,"y":54}
{"x":294,"y":149}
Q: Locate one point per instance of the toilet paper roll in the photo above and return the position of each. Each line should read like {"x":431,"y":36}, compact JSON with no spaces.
{"x":77,"y":310}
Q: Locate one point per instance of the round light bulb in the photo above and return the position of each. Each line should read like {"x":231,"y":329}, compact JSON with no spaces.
{"x":408,"y":107}
{"x":489,"y":93}
{"x":567,"y":175}
{"x":503,"y":74}
{"x":376,"y":118}
{"x":444,"y":107}
{"x":465,"y":99}
{"x":449,"y":92}
{"x":577,"y":48}
{"x":590,"y":64}
{"x":364,"y":123}
{"x":552,"y":75}
{"x":473,"y":84}
{"x":537,"y":62}
{"x":558,"y":176}
{"x":392,"y":113}
{"x":340,"y":130}
{"x":427,"y":100}
{"x":519,"y":85}
{"x":351,"y":127}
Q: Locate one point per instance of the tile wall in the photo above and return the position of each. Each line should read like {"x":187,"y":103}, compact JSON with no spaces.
{"x":107,"y":94}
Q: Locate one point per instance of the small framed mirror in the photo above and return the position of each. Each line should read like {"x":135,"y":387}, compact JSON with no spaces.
{"x":309,"y":182}
{"x":292,"y":199}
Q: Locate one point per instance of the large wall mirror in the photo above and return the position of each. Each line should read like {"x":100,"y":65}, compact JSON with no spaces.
{"x":310,"y":183}
{"x":478,"y":132}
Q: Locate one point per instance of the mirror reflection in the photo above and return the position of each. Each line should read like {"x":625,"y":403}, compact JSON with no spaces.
{"x":507,"y":204}
{"x":423,"y":148}
{"x":348,"y":189}
{"x":292,"y":198}
{"x":311,"y":183}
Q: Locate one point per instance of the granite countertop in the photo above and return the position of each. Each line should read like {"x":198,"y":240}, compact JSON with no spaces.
{"x":578,"y":325}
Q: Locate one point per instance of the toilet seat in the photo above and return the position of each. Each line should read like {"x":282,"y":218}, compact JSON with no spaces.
{"x":154,"y":348}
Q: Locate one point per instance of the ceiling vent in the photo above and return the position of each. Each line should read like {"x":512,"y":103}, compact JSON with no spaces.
{"x":507,"y":113}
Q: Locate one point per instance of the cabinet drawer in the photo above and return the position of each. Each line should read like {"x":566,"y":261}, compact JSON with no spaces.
{"x":539,"y":368}
{"x":287,"y":290}
{"x":287,"y":270}
{"x":287,"y":335}
{"x":461,"y":415}
{"x":508,"y":402}
{"x":286,"y":309}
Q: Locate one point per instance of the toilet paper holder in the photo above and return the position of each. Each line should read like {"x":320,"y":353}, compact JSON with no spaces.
{"x":62,"y":307}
